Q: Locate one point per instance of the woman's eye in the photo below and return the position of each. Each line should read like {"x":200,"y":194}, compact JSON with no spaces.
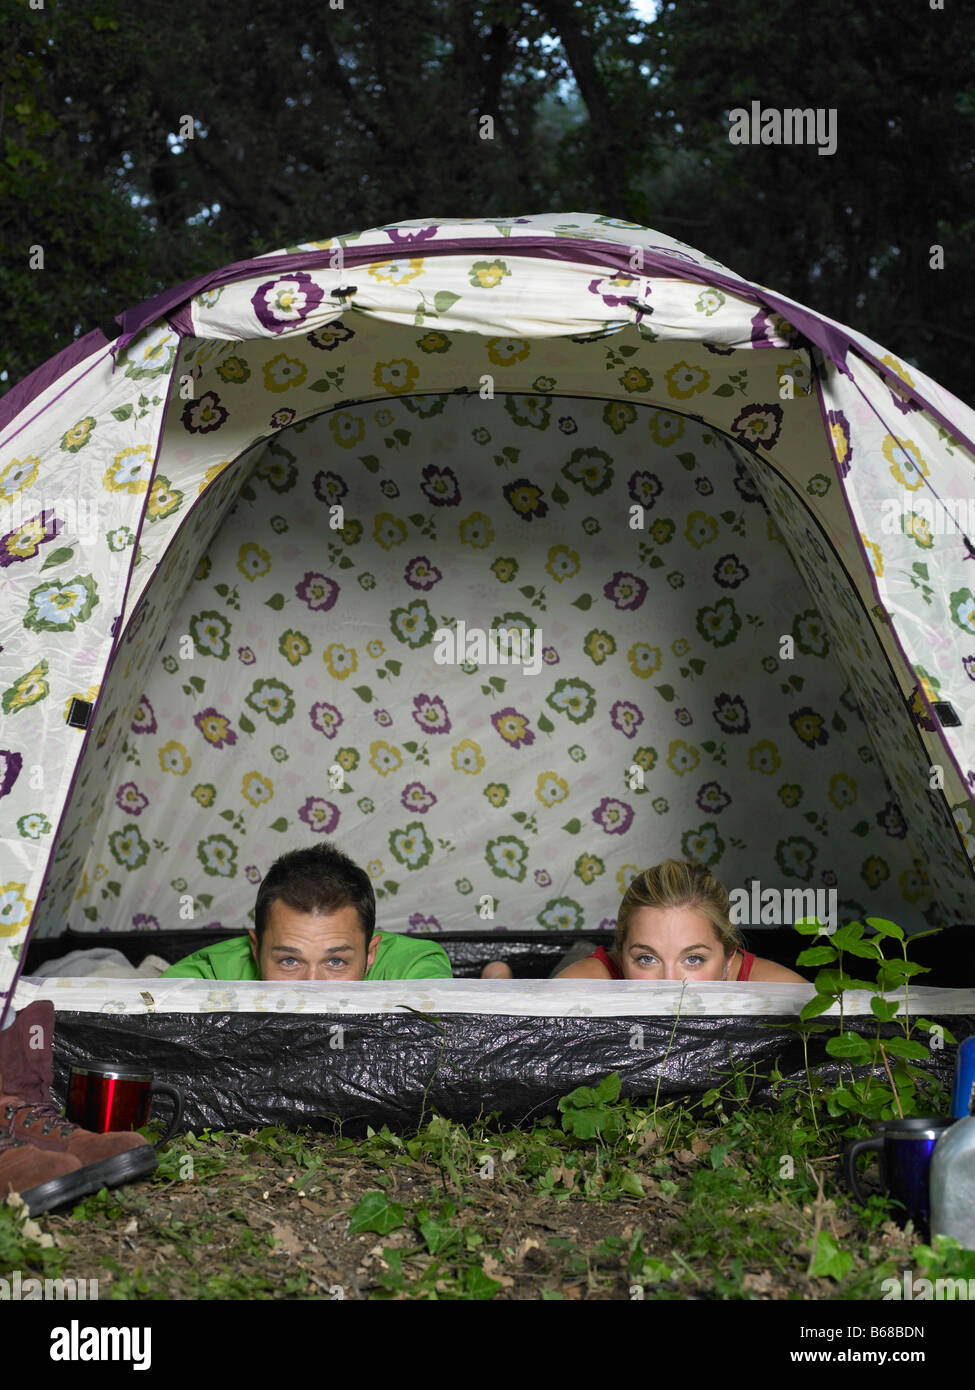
{"x":695,"y":960}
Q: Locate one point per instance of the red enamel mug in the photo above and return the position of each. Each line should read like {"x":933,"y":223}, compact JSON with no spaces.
{"x":104,"y":1096}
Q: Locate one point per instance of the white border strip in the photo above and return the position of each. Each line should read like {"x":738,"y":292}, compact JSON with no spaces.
{"x":529,"y":998}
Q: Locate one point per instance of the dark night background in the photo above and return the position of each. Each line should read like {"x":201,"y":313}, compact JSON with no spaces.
{"x":312,"y":121}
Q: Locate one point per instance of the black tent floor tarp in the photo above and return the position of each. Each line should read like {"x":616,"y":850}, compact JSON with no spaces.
{"x":253,"y":1053}
{"x":245,"y":1070}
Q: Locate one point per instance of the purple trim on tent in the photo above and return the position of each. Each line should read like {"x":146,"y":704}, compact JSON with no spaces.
{"x":47,"y":373}
{"x":182,"y":321}
{"x":833,"y":340}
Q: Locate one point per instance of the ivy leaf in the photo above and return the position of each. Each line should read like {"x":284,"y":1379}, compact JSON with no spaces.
{"x":321,"y":385}
{"x":376,"y":1213}
{"x":667,"y":691}
{"x":363,"y":692}
{"x":371,"y":462}
{"x":573,"y":826}
{"x":279,"y":824}
{"x":478,"y":1284}
{"x":276,"y":601}
{"x":245,"y":724}
{"x":830,"y":1261}
{"x":583,"y":602}
{"x":443,"y":299}
{"x":123,"y":412}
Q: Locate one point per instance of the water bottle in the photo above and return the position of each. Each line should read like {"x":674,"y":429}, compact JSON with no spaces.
{"x":963,"y":1094}
{"x":953,"y":1183}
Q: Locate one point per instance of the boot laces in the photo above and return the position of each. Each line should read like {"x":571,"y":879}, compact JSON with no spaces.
{"x":44,"y":1110}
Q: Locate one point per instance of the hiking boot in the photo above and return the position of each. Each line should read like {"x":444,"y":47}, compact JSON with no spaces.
{"x":119,"y":1155}
{"x":28,"y":1115}
{"x":43,"y":1180}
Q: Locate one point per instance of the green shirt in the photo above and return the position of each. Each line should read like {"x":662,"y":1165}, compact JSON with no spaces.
{"x":398,"y":957}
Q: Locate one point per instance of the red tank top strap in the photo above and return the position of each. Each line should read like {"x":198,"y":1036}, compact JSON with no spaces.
{"x":747,"y":961}
{"x":614,"y":971}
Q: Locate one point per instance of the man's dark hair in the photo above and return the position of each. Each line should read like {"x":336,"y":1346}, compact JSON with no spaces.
{"x":318,"y":879}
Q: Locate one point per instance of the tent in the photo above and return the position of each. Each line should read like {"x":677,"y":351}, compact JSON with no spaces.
{"x":513,"y":555}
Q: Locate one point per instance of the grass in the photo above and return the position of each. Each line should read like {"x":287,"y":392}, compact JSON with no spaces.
{"x":610,"y":1199}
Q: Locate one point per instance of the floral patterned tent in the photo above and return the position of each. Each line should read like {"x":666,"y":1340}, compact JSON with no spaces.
{"x":713,"y":522}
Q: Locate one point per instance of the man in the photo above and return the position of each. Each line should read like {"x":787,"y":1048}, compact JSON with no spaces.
{"x":314,"y":919}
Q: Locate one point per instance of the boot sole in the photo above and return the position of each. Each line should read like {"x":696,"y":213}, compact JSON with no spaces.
{"x":109,"y":1172}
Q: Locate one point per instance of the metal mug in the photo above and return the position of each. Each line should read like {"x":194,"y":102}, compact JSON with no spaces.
{"x":905,"y":1148}
{"x":103,"y":1096}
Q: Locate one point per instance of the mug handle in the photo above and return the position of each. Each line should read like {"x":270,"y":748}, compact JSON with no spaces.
{"x":850,"y":1155}
{"x":162,"y":1088}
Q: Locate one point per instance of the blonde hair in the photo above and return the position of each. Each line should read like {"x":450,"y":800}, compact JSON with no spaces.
{"x":678,"y":883}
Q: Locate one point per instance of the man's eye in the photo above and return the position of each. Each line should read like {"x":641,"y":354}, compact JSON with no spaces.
{"x":287,"y":961}
{"x":336,"y":962}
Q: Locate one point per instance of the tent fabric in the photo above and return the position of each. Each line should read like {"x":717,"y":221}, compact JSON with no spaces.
{"x":489,"y":788}
{"x":487,"y":421}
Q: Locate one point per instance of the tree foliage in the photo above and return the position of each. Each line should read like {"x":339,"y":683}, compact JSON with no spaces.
{"x":308,"y":121}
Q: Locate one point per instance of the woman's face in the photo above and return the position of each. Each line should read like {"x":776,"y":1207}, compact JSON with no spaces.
{"x":672,"y":943}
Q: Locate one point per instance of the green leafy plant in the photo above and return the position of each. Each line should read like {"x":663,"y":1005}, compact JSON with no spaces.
{"x":587,"y":1112}
{"x":867,"y":1096}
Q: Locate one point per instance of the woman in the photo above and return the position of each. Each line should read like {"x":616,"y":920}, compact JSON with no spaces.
{"x":673,"y":924}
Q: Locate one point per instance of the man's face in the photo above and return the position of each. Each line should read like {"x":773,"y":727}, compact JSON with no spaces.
{"x":313,"y":945}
